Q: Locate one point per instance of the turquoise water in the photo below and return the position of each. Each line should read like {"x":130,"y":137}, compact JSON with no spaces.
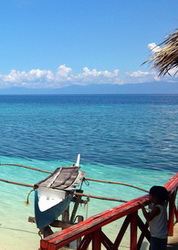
{"x":124,"y":138}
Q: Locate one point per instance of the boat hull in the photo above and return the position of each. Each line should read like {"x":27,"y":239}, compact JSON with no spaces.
{"x":44,"y":218}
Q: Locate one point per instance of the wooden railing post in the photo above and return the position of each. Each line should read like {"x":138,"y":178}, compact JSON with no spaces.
{"x":96,"y":242}
{"x":176,"y":206}
{"x":171,"y":213}
{"x":133,"y":231}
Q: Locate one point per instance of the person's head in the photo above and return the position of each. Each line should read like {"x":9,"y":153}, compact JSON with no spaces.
{"x":158,"y":194}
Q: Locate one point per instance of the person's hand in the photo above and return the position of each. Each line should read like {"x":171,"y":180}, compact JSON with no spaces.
{"x":141,"y":205}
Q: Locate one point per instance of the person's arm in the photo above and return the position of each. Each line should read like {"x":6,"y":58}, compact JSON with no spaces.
{"x":150,"y":215}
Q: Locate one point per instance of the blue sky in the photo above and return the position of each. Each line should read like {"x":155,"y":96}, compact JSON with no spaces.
{"x":57,"y":43}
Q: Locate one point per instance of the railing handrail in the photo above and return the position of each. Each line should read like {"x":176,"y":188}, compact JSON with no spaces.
{"x":172,"y":184}
{"x":99,"y":220}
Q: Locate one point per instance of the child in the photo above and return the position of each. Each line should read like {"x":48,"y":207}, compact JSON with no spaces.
{"x":157,"y":218}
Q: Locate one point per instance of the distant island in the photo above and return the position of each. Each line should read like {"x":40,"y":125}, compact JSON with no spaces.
{"x":156,"y":87}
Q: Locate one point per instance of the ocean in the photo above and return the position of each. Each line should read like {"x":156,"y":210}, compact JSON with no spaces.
{"x":125,"y":138}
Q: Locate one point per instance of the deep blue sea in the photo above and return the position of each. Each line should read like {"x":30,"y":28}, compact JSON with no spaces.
{"x":125,"y":138}
{"x":137,"y":131}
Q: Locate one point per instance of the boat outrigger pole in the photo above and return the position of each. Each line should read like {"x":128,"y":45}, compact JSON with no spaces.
{"x":74,"y":193}
{"x":88,"y":179}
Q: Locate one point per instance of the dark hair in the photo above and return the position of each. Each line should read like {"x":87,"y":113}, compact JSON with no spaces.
{"x":160,"y":192}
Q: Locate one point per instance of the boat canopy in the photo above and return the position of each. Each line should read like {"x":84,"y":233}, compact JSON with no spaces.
{"x":63,"y":178}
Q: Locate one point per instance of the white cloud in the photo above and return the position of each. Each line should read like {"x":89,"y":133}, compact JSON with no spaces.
{"x":94,"y":76}
{"x":138,"y":73}
{"x":64,"y":72}
{"x":140,"y":76}
{"x":154,"y":48}
{"x":64,"y":76}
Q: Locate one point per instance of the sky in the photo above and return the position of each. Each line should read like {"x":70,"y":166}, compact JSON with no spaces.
{"x":59,"y":43}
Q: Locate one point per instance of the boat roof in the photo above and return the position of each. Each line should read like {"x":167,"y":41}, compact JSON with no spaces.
{"x":63,"y":178}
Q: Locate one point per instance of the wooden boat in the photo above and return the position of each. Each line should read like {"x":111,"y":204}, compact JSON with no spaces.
{"x":54,"y":194}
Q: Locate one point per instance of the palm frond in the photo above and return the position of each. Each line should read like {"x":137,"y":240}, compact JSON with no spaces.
{"x":166,"y":58}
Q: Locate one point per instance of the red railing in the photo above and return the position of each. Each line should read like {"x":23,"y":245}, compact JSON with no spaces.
{"x":91,"y":232}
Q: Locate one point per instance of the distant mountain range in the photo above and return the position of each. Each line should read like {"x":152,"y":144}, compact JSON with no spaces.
{"x":139,"y":88}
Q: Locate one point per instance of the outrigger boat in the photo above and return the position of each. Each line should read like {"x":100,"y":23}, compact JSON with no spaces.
{"x":54,"y":194}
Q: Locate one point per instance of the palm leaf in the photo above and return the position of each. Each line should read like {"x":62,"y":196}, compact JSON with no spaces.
{"x":166,"y":58}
